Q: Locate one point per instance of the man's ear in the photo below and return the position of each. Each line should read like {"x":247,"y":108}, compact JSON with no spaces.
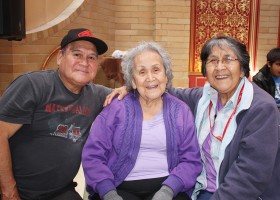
{"x":268,"y":64}
{"x":59,"y":57}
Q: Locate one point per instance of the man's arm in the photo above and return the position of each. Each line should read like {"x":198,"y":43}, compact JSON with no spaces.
{"x":7,"y":182}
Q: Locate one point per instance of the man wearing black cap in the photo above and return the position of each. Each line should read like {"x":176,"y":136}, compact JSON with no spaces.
{"x":45,"y":117}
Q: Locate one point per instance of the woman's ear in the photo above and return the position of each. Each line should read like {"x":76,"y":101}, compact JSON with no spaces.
{"x":133,"y":84}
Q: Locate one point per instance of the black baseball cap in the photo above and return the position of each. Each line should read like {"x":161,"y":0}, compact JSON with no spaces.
{"x":84,"y":34}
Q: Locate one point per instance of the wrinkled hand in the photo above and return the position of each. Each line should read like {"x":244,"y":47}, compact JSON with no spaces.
{"x":112,"y":195}
{"x":121,"y":91}
{"x":165,"y":193}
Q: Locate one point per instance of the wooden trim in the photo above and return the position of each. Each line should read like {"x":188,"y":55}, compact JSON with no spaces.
{"x":253,"y":32}
{"x":48,"y":59}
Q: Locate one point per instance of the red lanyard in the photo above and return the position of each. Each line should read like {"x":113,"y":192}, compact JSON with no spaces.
{"x":220,"y":138}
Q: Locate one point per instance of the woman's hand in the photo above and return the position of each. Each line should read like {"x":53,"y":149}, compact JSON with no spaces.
{"x":121,"y":91}
{"x":112,"y":195}
{"x":165,"y":193}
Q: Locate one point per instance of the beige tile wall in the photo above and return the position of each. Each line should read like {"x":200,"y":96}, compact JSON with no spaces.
{"x":268,"y":29}
{"x":122,"y":24}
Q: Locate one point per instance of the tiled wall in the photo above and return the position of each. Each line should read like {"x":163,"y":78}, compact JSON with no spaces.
{"x":268,"y":29}
{"x":123,"y":23}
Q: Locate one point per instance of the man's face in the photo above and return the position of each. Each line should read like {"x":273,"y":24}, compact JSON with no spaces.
{"x":274,"y":68}
{"x":78,"y":64}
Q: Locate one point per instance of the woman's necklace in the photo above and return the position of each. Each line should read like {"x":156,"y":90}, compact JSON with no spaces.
{"x":220,"y":138}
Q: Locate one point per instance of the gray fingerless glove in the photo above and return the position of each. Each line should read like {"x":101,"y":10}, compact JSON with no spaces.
{"x":165,"y":193}
{"x":112,"y":195}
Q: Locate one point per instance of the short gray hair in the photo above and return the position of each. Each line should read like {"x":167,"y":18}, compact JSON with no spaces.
{"x":128,"y":61}
{"x":229,"y":42}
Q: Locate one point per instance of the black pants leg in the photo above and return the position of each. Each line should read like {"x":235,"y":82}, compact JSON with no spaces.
{"x":141,"y":190}
{"x":67,"y":195}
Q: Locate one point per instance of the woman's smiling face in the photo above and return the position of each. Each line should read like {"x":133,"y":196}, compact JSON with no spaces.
{"x":223,"y":71}
{"x":149,"y":76}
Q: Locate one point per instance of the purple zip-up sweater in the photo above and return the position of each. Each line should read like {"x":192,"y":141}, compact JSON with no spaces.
{"x":114,"y":141}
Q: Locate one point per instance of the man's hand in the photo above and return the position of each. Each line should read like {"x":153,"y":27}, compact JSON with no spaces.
{"x":121,"y":91}
{"x":8,"y":187}
{"x":12,"y":194}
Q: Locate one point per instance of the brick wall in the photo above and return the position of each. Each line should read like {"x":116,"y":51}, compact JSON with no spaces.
{"x":17,"y":57}
{"x":268,"y":29}
{"x":172,"y":29}
{"x":164,"y":21}
{"x":122,"y":24}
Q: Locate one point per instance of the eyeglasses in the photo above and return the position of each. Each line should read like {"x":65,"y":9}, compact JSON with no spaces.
{"x":225,"y":60}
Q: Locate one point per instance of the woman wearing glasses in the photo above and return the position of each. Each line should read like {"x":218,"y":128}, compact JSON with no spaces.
{"x":237,"y":125}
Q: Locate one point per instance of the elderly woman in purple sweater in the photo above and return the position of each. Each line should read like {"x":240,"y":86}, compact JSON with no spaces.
{"x":144,"y":147}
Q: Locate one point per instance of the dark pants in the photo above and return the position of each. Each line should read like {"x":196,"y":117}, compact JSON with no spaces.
{"x":141,"y":190}
{"x":68,"y":193}
{"x":204,"y":195}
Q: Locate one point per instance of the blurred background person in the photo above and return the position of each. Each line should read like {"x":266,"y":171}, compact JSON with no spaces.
{"x":268,"y":78}
{"x":145,"y":146}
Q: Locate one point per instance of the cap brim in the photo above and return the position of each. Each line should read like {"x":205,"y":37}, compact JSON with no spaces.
{"x":100,"y":45}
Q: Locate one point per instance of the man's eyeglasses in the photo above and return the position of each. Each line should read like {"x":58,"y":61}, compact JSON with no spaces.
{"x":225,"y":60}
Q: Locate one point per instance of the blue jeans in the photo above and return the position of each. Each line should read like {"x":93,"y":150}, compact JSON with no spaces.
{"x":204,"y":195}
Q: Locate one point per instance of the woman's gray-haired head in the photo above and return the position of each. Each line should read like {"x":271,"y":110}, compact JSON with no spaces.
{"x":226,"y":42}
{"x":128,"y":61}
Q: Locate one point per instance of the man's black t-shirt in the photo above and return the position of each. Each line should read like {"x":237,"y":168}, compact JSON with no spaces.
{"x":46,"y":151}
